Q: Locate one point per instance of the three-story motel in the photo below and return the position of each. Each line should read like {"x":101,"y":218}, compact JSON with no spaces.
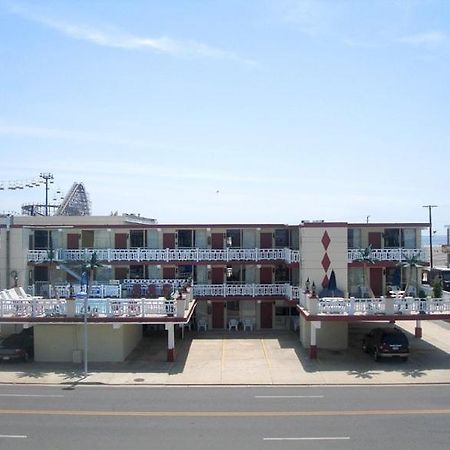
{"x":252,"y":276}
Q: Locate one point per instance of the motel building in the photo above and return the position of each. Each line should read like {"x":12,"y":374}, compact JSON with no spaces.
{"x":313,"y":278}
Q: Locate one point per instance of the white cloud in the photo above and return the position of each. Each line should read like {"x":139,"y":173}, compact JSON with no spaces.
{"x":127,"y":41}
{"x":312,"y":17}
{"x":25,"y":131}
{"x":431,"y":37}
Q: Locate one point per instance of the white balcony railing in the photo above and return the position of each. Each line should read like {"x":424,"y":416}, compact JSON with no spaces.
{"x":243,"y":290}
{"x":24,"y":306}
{"x":169,"y":255}
{"x":128,"y":289}
{"x":375,"y":306}
{"x":35,"y":308}
{"x":387,"y":254}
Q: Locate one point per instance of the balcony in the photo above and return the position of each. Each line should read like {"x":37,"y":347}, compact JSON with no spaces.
{"x":285,"y":291}
{"x":170,"y":255}
{"x":400,"y":307}
{"x":140,"y":288}
{"x":14,"y":306}
{"x":387,"y":254}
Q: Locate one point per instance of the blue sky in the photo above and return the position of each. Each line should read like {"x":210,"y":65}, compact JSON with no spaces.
{"x":230,"y":111}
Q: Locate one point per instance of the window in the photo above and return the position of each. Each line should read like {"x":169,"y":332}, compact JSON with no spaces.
{"x":137,"y":238}
{"x":233,"y":305}
{"x":355,"y":281}
{"x":282,"y":274}
{"x":354,"y":238}
{"x":282,"y":237}
{"x":185,"y":238}
{"x":234,"y":274}
{"x":391,"y":237}
{"x":41,"y":239}
{"x":40,"y":273}
{"x":393,"y":276}
{"x":409,"y":238}
{"x":285,"y":311}
{"x":185,"y":272}
{"x":233,"y":238}
{"x":396,"y":237}
{"x":137,"y":272}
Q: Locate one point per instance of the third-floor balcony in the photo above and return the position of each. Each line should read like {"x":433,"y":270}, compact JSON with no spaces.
{"x":387,"y":254}
{"x":169,"y":255}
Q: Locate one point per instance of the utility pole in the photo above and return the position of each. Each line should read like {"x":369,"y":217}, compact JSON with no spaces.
{"x":431,"y":231}
{"x":46,"y":177}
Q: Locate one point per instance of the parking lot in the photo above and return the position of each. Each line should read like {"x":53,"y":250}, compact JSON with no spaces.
{"x":258,"y":357}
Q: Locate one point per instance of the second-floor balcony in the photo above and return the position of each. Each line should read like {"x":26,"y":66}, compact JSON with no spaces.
{"x":169,"y":255}
{"x":284,"y":290}
{"x":387,"y":254}
{"x":144,"y":287}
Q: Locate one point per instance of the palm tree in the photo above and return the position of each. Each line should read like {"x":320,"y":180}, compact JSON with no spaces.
{"x":50,"y":260}
{"x":366,"y":258}
{"x":89,"y":267}
{"x":413,"y":263}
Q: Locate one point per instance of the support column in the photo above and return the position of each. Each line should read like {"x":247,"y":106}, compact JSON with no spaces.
{"x":170,"y":327}
{"x":418,"y":330}
{"x":313,"y":342}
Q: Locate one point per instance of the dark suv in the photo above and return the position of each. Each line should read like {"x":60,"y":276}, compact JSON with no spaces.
{"x":386,"y":342}
{"x":18,"y":346}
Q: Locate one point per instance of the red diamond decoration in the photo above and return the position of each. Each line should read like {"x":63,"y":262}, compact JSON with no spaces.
{"x":326,"y":262}
{"x":326,"y":240}
{"x":325,"y":281}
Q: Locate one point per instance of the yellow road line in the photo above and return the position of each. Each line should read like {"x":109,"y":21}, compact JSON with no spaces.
{"x":265,"y":353}
{"x":375,"y":412}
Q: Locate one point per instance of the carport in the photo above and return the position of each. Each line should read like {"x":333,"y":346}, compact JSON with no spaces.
{"x":330,"y":331}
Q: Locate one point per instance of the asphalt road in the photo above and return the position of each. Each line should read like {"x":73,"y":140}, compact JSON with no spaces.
{"x":95,"y":417}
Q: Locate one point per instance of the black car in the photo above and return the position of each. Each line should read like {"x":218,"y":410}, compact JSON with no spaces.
{"x":17,"y":346}
{"x":386,"y":343}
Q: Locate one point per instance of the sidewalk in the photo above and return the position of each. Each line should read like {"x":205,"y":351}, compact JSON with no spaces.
{"x":257,"y":358}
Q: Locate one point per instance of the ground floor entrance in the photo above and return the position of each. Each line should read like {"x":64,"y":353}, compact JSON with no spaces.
{"x":249,"y":315}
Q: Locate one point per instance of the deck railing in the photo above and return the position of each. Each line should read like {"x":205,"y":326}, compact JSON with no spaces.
{"x":163,"y":287}
{"x":387,"y":254}
{"x":169,"y":255}
{"x":34,"y":307}
{"x":243,"y":290}
{"x":375,"y":306}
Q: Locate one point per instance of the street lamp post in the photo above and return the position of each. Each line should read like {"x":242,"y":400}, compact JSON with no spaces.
{"x":84,"y":278}
{"x":431,"y":231}
{"x":46,"y":177}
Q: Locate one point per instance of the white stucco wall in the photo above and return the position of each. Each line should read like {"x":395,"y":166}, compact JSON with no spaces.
{"x":330,"y":335}
{"x":57,"y":343}
{"x":313,"y":251}
{"x":333,"y":336}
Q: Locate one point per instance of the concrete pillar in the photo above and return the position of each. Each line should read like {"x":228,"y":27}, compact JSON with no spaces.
{"x":388,"y":306}
{"x":313,"y":344}
{"x":170,"y":327}
{"x":70,"y":307}
{"x":418,"y":330}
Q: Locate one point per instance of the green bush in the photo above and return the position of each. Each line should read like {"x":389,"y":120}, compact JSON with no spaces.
{"x":437,"y":289}
{"x":422,"y":294}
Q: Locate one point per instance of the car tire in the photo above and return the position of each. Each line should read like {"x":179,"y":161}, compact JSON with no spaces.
{"x":376,"y":356}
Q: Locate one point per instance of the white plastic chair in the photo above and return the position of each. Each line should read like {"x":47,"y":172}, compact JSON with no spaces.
{"x":202,"y":324}
{"x":248,"y":323}
{"x":233,"y":323}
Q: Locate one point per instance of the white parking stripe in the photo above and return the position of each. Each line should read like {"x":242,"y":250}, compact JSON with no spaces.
{"x":32,"y":395}
{"x":13,"y":436}
{"x":288,"y":396}
{"x":342,"y":438}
